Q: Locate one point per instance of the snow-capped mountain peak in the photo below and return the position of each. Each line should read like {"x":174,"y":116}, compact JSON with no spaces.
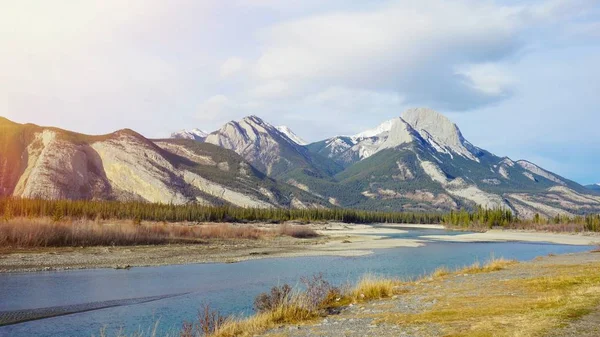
{"x":195,"y":134}
{"x":440,"y":132}
{"x":381,"y":128}
{"x":291,"y":135}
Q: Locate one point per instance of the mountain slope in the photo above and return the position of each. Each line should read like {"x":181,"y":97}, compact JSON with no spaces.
{"x":40,"y":162}
{"x":593,"y":187}
{"x":422,"y":161}
{"x":291,"y":135}
{"x":268,"y":149}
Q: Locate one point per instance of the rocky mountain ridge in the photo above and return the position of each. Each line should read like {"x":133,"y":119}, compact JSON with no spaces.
{"x":50,"y":163}
{"x":418,"y":161}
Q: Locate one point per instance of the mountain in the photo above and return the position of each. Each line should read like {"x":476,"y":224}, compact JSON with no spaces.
{"x":194,"y":134}
{"x":270,"y":150}
{"x":419,"y":161}
{"x":50,"y":163}
{"x":422,"y":161}
{"x":291,"y":135}
{"x":594,"y":187}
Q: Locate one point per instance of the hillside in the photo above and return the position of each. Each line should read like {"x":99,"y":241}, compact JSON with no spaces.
{"x":49,"y":163}
{"x":419,"y":161}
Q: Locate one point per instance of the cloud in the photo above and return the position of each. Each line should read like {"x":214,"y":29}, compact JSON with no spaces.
{"x":270,"y":89}
{"x":231,"y":66}
{"x":487,"y":78}
{"x":408,"y":47}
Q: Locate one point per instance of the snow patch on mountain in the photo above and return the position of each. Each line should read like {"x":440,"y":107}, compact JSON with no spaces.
{"x":383,"y":127}
{"x":291,"y":135}
{"x":195,"y":134}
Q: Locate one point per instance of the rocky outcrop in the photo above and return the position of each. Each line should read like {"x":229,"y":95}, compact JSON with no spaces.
{"x":58,"y":164}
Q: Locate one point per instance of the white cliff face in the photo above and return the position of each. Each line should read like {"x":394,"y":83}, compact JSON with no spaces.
{"x":194,"y":134}
{"x":291,"y":135}
{"x":439,"y":131}
{"x":390,"y":134}
{"x":136,"y":169}
{"x":539,"y":171}
{"x":258,"y":142}
{"x":57,"y":169}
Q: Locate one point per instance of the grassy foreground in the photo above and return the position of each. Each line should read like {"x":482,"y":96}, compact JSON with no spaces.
{"x":313,"y":303}
{"x":531,"y":299}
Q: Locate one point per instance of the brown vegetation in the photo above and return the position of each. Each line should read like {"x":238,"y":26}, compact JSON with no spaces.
{"x":297,"y":231}
{"x":319,"y":297}
{"x":46,"y":232}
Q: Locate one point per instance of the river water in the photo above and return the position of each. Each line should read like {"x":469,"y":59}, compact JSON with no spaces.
{"x":166,"y":296}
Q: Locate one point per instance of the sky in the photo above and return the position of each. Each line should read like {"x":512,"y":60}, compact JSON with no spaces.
{"x":520,"y":78}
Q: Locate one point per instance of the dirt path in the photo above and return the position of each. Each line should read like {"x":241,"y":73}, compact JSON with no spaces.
{"x":485,"y":304}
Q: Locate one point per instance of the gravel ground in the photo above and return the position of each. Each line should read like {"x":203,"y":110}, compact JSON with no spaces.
{"x":361,"y":320}
{"x":136,"y":256}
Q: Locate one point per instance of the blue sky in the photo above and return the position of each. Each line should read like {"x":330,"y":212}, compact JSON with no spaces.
{"x":520,"y":78}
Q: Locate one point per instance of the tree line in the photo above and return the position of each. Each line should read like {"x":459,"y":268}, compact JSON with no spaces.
{"x":142,"y":211}
{"x":488,"y":218}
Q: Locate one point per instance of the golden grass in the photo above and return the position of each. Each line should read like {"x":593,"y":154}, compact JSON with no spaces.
{"x":441,"y":272}
{"x":371,"y":287}
{"x":43,"y":232}
{"x":517,"y":307}
{"x":492,"y":265}
{"x":287,"y":313}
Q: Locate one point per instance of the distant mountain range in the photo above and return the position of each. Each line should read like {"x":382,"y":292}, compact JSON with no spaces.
{"x":416,"y":162}
{"x":594,"y":187}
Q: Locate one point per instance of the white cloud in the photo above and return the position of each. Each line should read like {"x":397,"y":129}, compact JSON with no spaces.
{"x":412,"y":47}
{"x":487,"y":78}
{"x":270,"y":89}
{"x":231,"y":66}
{"x":214,"y":108}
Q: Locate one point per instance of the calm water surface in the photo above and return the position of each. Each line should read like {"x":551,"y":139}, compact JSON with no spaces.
{"x":229,"y":287}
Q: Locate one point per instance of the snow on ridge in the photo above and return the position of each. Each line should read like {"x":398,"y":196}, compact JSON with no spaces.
{"x":291,"y":135}
{"x":190,"y":134}
{"x":381,"y":128}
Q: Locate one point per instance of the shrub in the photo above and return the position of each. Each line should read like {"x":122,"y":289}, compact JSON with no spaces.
{"x":278,"y":297}
{"x":299,"y":232}
{"x":209,"y":321}
{"x":319,"y":292}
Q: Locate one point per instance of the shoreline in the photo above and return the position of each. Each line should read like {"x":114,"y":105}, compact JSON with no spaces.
{"x":337,"y":239}
{"x":559,"y":293}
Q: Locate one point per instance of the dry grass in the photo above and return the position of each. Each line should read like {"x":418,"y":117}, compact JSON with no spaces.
{"x":287,"y":313}
{"x":31,"y":233}
{"x":297,"y":231}
{"x":301,"y":309}
{"x":371,"y":287}
{"x":441,"y":272}
{"x":492,"y":265}
{"x":516,"y":307}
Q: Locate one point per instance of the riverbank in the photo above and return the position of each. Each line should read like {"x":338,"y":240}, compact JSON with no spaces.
{"x":336,"y":239}
{"x":550,"y":296}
